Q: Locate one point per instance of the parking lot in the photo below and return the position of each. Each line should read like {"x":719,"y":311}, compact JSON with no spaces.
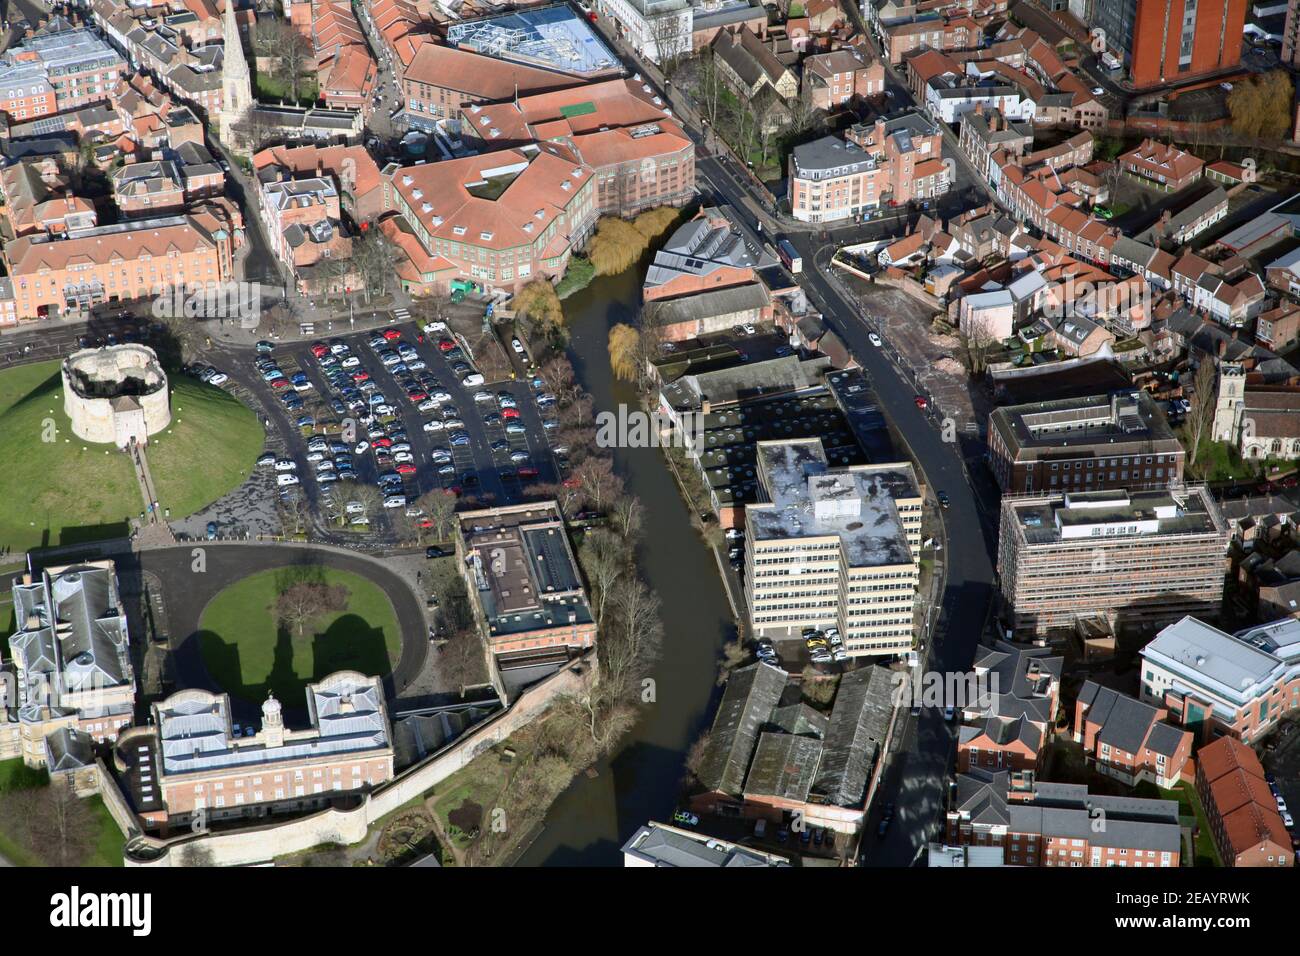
{"x":1281,"y":758}
{"x":394,"y":409}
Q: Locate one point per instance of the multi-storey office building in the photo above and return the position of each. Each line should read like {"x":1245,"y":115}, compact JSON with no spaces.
{"x":1084,"y":444}
{"x":833,"y":547}
{"x":1142,"y":559}
{"x":78,"y":64}
{"x":1217,"y":684}
{"x":1165,"y":41}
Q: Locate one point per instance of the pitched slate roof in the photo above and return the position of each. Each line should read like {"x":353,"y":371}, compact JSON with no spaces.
{"x":752,"y":693}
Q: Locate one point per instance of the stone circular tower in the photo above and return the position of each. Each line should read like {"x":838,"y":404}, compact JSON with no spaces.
{"x":116,"y":395}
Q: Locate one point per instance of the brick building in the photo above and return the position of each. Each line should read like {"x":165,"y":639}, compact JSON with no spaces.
{"x":639,"y":154}
{"x":1214,"y":683}
{"x":1167,"y":41}
{"x":1069,"y":444}
{"x":1130,"y":740}
{"x":1162,"y":165}
{"x":841,"y":76}
{"x":706,"y":254}
{"x":503,"y":218}
{"x":523,"y":581}
{"x":1006,"y":727}
{"x":1054,"y":824}
{"x":1242,"y":814}
{"x":202,"y":766}
{"x":888,"y":163}
{"x":66,"y":276}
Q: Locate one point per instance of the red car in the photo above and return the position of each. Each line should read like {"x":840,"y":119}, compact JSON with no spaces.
{"x":572,"y":483}
{"x":528,"y":472}
{"x":509,"y":413}
{"x":426,"y":523}
{"x":405,"y":468}
{"x":320,"y":350}
{"x":382,"y":442}
{"x":360,"y":376}
{"x":280,"y":383}
{"x":446,"y":345}
{"x":921,"y":402}
{"x":391,"y":334}
{"x":416,"y":395}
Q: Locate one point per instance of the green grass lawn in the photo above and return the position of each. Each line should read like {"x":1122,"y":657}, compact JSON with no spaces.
{"x":247,"y":653}
{"x":1189,"y":805}
{"x":66,"y":491}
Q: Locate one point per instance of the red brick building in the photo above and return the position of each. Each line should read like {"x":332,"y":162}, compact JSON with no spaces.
{"x":1129,"y":740}
{"x":1162,"y":165}
{"x":1167,"y":41}
{"x":1053,"y":824}
{"x":1241,"y":811}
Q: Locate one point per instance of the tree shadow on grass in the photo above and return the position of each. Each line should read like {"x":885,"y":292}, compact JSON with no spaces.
{"x":350,"y":643}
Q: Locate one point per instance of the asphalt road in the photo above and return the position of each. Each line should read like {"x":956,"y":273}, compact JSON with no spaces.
{"x":186,"y":593}
{"x":916,"y":775}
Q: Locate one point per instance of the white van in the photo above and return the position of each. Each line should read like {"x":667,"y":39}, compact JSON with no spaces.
{"x":286,"y":479}
{"x":395,"y":501}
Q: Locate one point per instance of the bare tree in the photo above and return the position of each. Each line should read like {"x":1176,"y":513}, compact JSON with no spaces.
{"x":59,"y":825}
{"x":604,"y":559}
{"x":1204,"y":401}
{"x":461,"y":660}
{"x":300,"y":604}
{"x":671,"y":36}
{"x":977,"y":335}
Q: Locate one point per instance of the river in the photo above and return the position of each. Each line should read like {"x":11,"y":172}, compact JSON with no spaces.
{"x":589,"y":823}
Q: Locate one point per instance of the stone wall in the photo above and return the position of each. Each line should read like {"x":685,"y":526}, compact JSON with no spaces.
{"x":262,"y":843}
{"x":96,"y":419}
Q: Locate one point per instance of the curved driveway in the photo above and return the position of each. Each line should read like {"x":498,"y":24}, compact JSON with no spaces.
{"x":186,"y":592}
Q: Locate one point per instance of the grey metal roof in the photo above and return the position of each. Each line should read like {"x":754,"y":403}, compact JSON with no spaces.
{"x":658,"y":845}
{"x":859,"y":721}
{"x":747,"y":703}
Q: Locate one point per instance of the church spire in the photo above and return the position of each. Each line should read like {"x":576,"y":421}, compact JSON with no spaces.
{"x":236,"y":86}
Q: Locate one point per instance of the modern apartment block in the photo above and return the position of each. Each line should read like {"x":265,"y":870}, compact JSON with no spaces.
{"x":832,"y":547}
{"x":890,"y":162}
{"x":191,"y":761}
{"x":659,"y":845}
{"x":1215,"y":684}
{"x":640,"y":155}
{"x":1166,"y":41}
{"x":78,"y":65}
{"x":501,"y":219}
{"x":1055,"y":824}
{"x":1140,"y":559}
{"x":69,"y":666}
{"x":523,"y":580}
{"x":1084,"y":444}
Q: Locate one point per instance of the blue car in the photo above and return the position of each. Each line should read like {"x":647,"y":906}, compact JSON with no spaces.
{"x":459,"y":439}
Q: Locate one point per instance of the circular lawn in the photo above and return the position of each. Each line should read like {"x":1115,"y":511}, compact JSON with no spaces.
{"x":57,"y":489}
{"x":248,"y":650}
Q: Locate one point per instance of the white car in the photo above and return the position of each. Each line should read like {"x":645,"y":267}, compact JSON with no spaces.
{"x":1097,"y":91}
{"x":875,"y":340}
{"x":362,"y":446}
{"x":355,"y":508}
{"x":317,"y":455}
{"x":286,"y":479}
{"x":483,"y":396}
{"x":286,"y":464}
{"x":395,"y":501}
{"x":748,"y":329}
{"x":474,"y":378}
{"x":218,"y":378}
{"x":431,"y":327}
{"x":403,"y":456}
{"x":517,"y":346}
{"x":434,"y":425}
{"x":351,"y":362}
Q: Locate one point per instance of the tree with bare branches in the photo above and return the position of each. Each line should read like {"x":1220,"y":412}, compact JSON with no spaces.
{"x":1204,"y":402}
